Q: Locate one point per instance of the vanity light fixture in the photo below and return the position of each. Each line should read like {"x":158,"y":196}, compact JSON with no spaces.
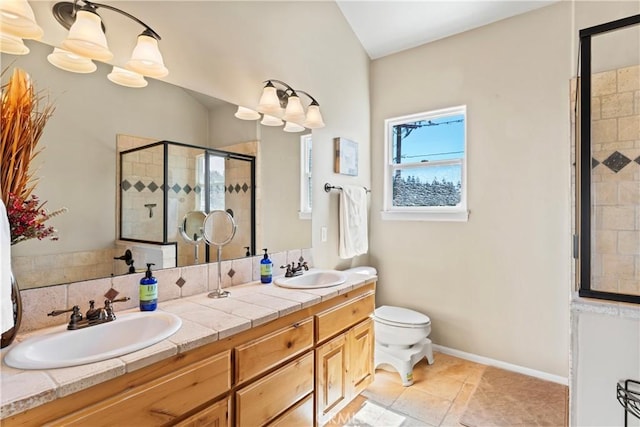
{"x":293,"y":127}
{"x":280,"y":105}
{"x":85,"y":42}
{"x":268,"y":120}
{"x":17,"y":22}
{"x":126,"y":78}
{"x":69,"y":61}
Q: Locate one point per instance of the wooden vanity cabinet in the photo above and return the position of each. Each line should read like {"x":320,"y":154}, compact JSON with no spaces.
{"x":263,"y":401}
{"x":344,"y":364}
{"x":297,"y":370}
{"x":162,"y":400}
{"x":215,"y":415}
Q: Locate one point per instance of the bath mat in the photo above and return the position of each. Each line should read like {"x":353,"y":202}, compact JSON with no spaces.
{"x":505,"y":398}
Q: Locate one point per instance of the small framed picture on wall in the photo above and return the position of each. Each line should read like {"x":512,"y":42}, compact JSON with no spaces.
{"x":346,"y":161}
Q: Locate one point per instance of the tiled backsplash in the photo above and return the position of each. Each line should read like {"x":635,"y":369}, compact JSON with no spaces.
{"x":173,"y":283}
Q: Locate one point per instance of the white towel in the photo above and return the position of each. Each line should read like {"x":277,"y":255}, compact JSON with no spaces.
{"x":353,"y":222}
{"x":6,"y":306}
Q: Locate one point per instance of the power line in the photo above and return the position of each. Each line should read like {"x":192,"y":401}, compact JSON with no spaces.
{"x":432,"y":154}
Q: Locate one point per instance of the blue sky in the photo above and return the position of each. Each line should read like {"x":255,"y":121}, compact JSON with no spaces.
{"x":429,"y":143}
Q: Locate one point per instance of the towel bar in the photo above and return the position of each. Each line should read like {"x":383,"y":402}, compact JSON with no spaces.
{"x":328,"y":187}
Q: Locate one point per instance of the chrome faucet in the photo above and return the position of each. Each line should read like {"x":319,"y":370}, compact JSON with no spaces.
{"x":293,"y":270}
{"x":93,"y":316}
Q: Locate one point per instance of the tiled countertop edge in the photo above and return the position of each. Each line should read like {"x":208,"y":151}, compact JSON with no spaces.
{"x":204,"y":320}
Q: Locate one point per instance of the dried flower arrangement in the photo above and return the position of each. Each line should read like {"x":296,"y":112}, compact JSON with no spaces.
{"x":22,"y":123}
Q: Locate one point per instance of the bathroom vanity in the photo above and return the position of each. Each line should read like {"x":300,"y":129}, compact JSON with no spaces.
{"x":299,"y":369}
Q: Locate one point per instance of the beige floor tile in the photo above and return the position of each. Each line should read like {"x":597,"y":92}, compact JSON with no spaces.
{"x":422,"y":406}
{"x":441,"y":386}
{"x":458,"y":407}
{"x":385,"y":389}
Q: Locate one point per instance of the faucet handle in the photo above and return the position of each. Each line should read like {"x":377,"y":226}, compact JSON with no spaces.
{"x":108,"y":307}
{"x":75,"y":309}
{"x":75,"y":318}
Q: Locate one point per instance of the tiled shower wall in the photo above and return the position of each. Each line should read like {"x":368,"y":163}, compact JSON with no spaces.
{"x":238,"y":198}
{"x":615,"y":122}
{"x":183,"y":191}
{"x":142,"y":183}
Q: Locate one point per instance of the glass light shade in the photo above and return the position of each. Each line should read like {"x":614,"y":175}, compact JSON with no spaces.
{"x":314,"y":118}
{"x":12,"y":45}
{"x":17,"y":19}
{"x":294,"y":112}
{"x":69,"y":61}
{"x":293,"y":127}
{"x":126,"y":78}
{"x":245,"y":113}
{"x":269,"y":102}
{"x":86,"y":37}
{"x":146,"y":58}
{"x":268,"y":120}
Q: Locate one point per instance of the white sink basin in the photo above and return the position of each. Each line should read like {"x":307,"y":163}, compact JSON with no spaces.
{"x":128,"y":333}
{"x":313,"y":279}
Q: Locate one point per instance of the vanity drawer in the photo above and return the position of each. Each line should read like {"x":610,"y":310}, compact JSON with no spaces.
{"x":262,"y":401}
{"x":337,"y":319}
{"x":299,"y":415}
{"x":266,"y":352}
{"x":162,"y":400}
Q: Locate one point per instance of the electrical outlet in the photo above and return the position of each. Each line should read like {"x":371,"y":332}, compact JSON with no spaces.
{"x":323,"y":234}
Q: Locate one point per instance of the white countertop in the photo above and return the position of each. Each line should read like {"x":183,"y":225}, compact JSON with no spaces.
{"x":204,"y":320}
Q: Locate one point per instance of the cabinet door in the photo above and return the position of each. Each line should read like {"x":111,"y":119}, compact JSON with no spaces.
{"x":360,"y":356}
{"x":331,"y":377}
{"x":216,"y":415}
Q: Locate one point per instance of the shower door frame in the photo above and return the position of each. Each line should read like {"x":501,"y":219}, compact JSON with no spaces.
{"x":165,"y":189}
{"x":584,"y":184}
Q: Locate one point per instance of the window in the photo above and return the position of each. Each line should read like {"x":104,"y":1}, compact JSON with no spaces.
{"x":306,"y":196}
{"x":425,"y":166}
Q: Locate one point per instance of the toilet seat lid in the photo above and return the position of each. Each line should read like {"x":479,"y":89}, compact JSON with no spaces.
{"x":400,"y":315}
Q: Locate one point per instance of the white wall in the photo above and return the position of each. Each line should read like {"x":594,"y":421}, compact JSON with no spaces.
{"x":497,"y":285}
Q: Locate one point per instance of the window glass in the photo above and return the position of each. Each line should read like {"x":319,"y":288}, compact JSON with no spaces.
{"x":426,"y":161}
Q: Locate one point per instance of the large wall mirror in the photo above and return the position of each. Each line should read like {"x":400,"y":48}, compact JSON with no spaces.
{"x":93,"y":121}
{"x":608,"y":184}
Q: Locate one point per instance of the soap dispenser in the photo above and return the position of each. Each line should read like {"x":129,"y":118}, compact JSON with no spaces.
{"x":148,"y":291}
{"x":266,"y":268}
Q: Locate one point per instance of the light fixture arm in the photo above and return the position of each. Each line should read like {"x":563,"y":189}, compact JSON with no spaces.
{"x":289,"y":88}
{"x":61,"y":13}
{"x":313,"y":100}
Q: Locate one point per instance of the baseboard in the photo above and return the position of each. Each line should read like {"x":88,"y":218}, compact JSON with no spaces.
{"x":502,"y":365}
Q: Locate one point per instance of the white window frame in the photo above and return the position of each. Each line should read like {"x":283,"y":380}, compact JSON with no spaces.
{"x":306,"y":146}
{"x":426,"y":213}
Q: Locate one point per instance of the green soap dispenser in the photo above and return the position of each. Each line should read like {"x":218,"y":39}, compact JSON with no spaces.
{"x":266,"y":268}
{"x":148,"y":291}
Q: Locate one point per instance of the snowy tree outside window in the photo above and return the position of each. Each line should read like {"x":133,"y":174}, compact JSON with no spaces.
{"x":425,"y":166}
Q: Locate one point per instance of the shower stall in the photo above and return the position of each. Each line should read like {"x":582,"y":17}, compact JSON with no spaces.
{"x":162,"y":182}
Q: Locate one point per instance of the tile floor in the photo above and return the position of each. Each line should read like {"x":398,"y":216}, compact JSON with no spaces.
{"x":438,"y":396}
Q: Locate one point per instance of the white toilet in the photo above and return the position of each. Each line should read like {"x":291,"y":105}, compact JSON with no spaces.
{"x":401,"y":340}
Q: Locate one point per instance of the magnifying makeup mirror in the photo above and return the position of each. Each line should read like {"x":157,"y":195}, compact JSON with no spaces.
{"x":192,"y":229}
{"x":218,"y":230}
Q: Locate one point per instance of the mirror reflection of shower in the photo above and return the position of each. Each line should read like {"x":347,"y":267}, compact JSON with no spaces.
{"x":191,"y":229}
{"x":162,"y":182}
